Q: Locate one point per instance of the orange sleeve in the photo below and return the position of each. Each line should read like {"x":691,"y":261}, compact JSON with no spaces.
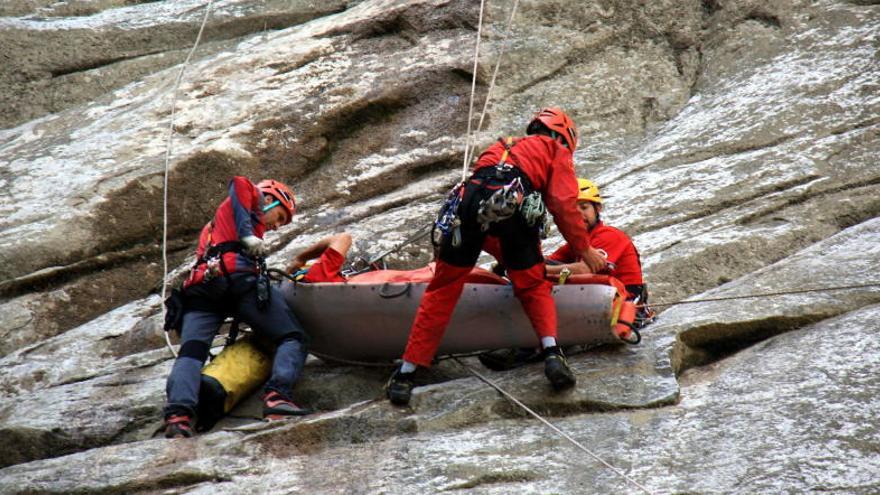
{"x":563,"y":255}
{"x":612,"y":242}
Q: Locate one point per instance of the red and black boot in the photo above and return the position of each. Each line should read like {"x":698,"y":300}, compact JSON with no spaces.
{"x":178,"y":426}
{"x":277,"y":406}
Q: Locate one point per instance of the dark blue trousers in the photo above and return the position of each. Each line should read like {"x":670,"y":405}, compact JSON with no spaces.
{"x":208,"y":304}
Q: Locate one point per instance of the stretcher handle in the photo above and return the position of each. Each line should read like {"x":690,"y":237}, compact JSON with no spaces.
{"x":383,"y":291}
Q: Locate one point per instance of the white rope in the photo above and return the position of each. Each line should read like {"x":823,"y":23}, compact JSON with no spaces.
{"x":494,"y":75}
{"x":467,"y":144}
{"x":167,"y":160}
{"x":550,"y":425}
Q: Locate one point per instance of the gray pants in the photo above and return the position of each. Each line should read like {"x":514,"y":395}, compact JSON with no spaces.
{"x":208,"y":304}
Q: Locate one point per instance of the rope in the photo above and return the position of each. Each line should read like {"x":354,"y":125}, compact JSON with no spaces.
{"x":469,"y":156}
{"x":550,"y":425}
{"x":418,"y":235}
{"x":467,"y":143}
{"x":369,"y":364}
{"x":469,"y":148}
{"x":165,"y":180}
{"x":764,"y":294}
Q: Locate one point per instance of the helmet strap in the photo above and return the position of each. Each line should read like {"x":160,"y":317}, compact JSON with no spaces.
{"x":271,"y":205}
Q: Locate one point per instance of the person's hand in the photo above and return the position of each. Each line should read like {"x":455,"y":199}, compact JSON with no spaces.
{"x":594,"y":259}
{"x":254,"y":246}
{"x":295,"y":265}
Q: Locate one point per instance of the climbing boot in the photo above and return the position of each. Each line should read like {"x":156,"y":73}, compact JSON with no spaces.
{"x":277,"y":406}
{"x":556,"y":369}
{"x":399,"y":387}
{"x":178,"y":426}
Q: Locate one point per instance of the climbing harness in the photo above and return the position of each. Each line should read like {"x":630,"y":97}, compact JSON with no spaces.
{"x":512,"y":197}
{"x":548,"y":424}
{"x":167,"y":160}
{"x":213,"y":256}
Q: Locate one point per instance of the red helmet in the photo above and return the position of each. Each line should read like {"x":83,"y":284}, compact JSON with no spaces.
{"x":557,"y":121}
{"x":280,"y":192}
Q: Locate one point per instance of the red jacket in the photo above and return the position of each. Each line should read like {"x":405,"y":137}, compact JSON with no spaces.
{"x":549,"y":167}
{"x":328,"y":268}
{"x":619,"y":247}
{"x":238,"y":216}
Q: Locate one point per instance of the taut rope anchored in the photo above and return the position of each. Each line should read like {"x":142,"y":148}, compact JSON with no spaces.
{"x":470,"y":151}
{"x":165,"y":179}
{"x":469,"y":148}
{"x":467,"y":143}
{"x":550,"y":425}
{"x":764,"y":294}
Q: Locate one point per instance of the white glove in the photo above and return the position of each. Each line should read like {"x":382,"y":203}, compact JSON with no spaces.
{"x":254,"y":246}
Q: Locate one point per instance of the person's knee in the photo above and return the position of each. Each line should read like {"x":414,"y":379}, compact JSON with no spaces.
{"x":194,"y":349}
{"x":294,"y":335}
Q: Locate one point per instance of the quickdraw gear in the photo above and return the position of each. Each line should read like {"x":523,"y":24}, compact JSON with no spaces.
{"x":502,"y":204}
{"x":533,"y":209}
{"x":505,"y":202}
{"x":213,"y":267}
{"x":448,"y":221}
{"x":546,"y":227}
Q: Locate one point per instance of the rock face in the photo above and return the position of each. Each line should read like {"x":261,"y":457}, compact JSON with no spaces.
{"x":735,"y":141}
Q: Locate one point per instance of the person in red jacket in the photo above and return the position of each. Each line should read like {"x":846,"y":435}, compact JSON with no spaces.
{"x":623,"y":263}
{"x":505,"y":174}
{"x":225,"y":282}
{"x":623,"y":259}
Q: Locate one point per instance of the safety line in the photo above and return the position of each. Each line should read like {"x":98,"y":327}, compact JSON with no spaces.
{"x":165,"y":180}
{"x":507,"y":29}
{"x":469,"y":148}
{"x":353,"y":362}
{"x":550,"y":425}
{"x":467,"y":143}
{"x":424,"y":231}
{"x":765,"y":294}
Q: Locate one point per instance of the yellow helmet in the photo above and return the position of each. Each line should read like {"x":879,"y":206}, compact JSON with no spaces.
{"x":587,"y":191}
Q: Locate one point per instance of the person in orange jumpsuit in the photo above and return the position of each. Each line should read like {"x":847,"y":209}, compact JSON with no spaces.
{"x":509,"y":170}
